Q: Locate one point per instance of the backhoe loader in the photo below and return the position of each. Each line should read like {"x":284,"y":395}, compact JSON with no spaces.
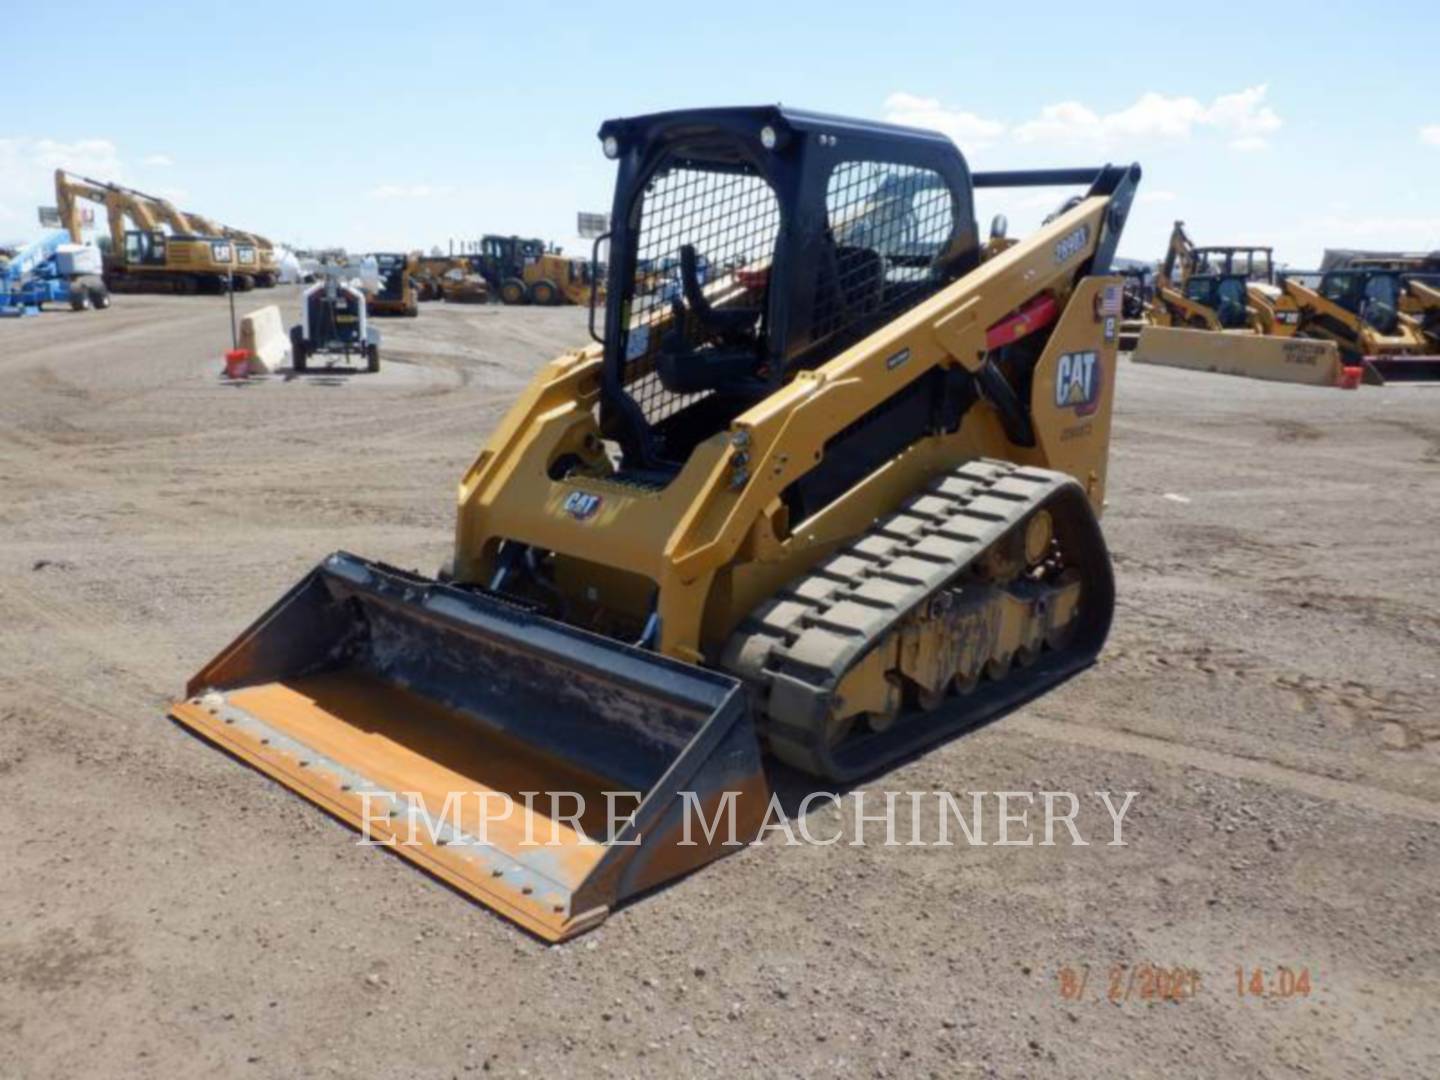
{"x":144,"y":258}
{"x":1220,"y":288}
{"x":1219,"y":308}
{"x":1386,"y":321}
{"x":838,"y":502}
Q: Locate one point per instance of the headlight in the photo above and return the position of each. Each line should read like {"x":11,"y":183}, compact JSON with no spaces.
{"x":611,"y":146}
{"x":768,"y":138}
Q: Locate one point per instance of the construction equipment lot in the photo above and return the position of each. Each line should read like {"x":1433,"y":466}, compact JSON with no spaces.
{"x":1268,"y":691}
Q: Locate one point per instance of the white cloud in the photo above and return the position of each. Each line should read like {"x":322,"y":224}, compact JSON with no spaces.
{"x":1244,"y":114}
{"x":1430,"y":133}
{"x":1156,"y":196}
{"x":27,"y":172}
{"x":1243,"y":117}
{"x":405,"y":191}
{"x":965,"y":128}
{"x":161,"y":160}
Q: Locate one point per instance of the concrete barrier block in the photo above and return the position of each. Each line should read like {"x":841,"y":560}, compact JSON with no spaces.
{"x":264,"y":335}
{"x":1257,"y":356}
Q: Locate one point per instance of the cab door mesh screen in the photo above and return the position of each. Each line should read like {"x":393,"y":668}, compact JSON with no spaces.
{"x":732,"y":219}
{"x":889,"y":226}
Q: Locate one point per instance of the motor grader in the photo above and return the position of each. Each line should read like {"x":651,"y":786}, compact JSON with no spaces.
{"x":836,"y":503}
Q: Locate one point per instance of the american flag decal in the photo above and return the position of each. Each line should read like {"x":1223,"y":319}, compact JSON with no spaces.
{"x":1110,"y":302}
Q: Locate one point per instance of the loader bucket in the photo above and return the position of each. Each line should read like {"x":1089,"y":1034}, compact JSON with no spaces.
{"x":1392,"y":368}
{"x":1257,"y":356}
{"x":423,"y":713}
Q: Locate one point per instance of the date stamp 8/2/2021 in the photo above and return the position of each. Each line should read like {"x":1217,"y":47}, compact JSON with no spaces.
{"x":1148,"y":982}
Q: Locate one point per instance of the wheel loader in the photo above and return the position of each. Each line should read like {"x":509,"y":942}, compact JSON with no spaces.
{"x":835,"y":504}
{"x":550,"y":279}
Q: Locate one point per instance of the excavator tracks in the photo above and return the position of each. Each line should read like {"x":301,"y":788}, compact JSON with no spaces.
{"x":988,"y":587}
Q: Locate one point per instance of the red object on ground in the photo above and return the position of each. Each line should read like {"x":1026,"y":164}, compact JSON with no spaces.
{"x":1350,"y":377}
{"x":237,"y":363}
{"x":1036,"y":315}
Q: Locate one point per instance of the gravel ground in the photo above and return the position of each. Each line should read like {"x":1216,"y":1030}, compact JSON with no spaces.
{"x":1267,"y":692}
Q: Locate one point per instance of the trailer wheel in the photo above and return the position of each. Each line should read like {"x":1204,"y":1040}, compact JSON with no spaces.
{"x":79,"y":299}
{"x":544,"y":293}
{"x":372,"y":358}
{"x":512,"y":291}
{"x":99,"y":298}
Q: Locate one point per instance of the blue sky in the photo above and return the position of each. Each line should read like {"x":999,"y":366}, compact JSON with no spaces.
{"x":349,"y":124}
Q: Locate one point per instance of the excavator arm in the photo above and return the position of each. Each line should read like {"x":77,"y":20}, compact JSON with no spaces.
{"x":1177,"y":258}
{"x":69,"y":190}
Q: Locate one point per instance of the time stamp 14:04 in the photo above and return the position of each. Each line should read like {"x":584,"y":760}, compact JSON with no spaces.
{"x":1120,"y":983}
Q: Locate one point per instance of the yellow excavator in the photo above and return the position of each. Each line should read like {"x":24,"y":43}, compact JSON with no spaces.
{"x":837,"y":502}
{"x":144,"y":258}
{"x":244,"y":258}
{"x":254,"y":254}
{"x":1219,"y":308}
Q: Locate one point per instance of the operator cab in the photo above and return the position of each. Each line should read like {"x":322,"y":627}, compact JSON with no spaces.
{"x":391,"y":267}
{"x":750,"y":243}
{"x":1374,"y":295}
{"x":1220,"y":277}
{"x":145,"y":247}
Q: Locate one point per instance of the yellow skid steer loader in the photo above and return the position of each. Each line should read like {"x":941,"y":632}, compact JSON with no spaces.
{"x":833,"y":497}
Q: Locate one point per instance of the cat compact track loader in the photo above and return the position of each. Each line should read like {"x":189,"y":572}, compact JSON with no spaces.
{"x":394,"y":291}
{"x":1383,"y":320}
{"x":838,"y":502}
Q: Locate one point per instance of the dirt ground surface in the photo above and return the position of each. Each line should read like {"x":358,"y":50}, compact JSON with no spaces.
{"x":1268,"y":692}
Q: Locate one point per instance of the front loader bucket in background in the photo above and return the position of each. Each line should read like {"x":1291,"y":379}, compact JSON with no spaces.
{"x":420,"y":712}
{"x":1392,"y":368}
